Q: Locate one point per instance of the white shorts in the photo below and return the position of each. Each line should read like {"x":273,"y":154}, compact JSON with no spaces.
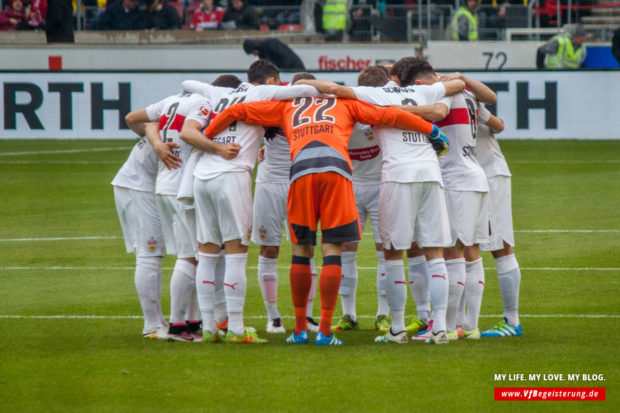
{"x":414,"y":211}
{"x":469,"y":218}
{"x":137,"y":212}
{"x":499,"y":203}
{"x":224,"y":208}
{"x":269,"y":213}
{"x":367,"y":202}
{"x":179,"y":227}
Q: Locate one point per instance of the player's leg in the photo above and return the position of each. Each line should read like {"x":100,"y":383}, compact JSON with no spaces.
{"x":302,"y":218}
{"x":339,"y":224}
{"x":209,"y":249}
{"x":143,"y":235}
{"x":455,"y":265}
{"x":396,"y":224}
{"x":371,"y":205}
{"x":474,"y":270}
{"x":348,"y":288}
{"x":501,"y":246}
{"x":419,"y":279}
{"x":312,"y":324}
{"x":269,"y":215}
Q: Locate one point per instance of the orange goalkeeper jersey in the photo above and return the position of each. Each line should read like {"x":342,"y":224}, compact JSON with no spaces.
{"x":318,"y":129}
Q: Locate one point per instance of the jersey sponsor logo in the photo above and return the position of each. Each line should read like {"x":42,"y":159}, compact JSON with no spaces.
{"x":414,"y":137}
{"x":364,"y":154}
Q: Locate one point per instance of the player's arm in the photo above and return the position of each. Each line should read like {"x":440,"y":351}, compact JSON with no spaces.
{"x":202,"y":88}
{"x":136,"y":119}
{"x":163,"y":150}
{"x":496,"y":124}
{"x":396,"y":118}
{"x":265,"y":113}
{"x":274,"y":92}
{"x":192,"y":134}
{"x":482,"y":92}
{"x":329,"y":88}
{"x":453,"y":86}
{"x":434,"y":112}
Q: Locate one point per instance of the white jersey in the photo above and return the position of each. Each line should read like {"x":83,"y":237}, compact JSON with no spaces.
{"x":488,"y":153}
{"x":171,"y":113}
{"x":365,"y":155}
{"x":139,"y":170}
{"x":246,"y":135}
{"x":277,"y":164}
{"x":407,"y":156}
{"x":459,"y":167}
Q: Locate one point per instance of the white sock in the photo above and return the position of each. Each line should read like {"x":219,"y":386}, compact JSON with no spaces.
{"x":235,"y":289}
{"x":312,"y":292}
{"x":509,"y":278}
{"x":219,"y":311}
{"x":456,"y":278}
{"x":268,"y":281}
{"x":148,"y":284}
{"x":460,"y":309}
{"x":348,"y":284}
{"x":205,"y":289}
{"x":418,"y":284}
{"x":382,"y":305}
{"x":396,"y":288}
{"x":181,"y":285}
{"x":474,"y":287}
{"x":192,"y":313}
{"x":438,"y":289}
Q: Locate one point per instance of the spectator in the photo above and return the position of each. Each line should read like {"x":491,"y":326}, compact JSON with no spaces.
{"x":123,"y":15}
{"x":334,"y":19}
{"x":161,"y":16}
{"x":240,"y":15}
{"x":35,"y":14}
{"x":276,"y":52}
{"x":615,"y":44}
{"x":14,"y":17}
{"x":59,"y":21}
{"x":207,"y":16}
{"x":464,"y":23}
{"x":564,"y":50}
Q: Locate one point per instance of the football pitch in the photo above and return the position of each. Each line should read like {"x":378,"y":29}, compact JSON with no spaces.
{"x":70,"y":326}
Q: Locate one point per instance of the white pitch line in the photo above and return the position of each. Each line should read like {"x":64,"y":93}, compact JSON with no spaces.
{"x":116,"y":148}
{"x":58,"y":238}
{"x":254,"y":317}
{"x":283,"y":267}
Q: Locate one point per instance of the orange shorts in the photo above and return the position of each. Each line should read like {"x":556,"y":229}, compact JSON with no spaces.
{"x":325,"y":196}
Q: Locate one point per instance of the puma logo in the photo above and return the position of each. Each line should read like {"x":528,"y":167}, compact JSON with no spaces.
{"x":231,"y":285}
{"x":208,"y":282}
{"x":442,"y":276}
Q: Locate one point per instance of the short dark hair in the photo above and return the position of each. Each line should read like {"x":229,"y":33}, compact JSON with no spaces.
{"x":409,"y":69}
{"x":261,"y":70}
{"x":373,"y":76}
{"x":302,"y":75}
{"x":227,"y":81}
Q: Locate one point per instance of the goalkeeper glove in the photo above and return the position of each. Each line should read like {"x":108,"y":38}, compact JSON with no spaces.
{"x":439,"y":141}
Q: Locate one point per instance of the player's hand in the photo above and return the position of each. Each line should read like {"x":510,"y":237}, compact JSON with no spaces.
{"x":167,"y":156}
{"x":439,"y":140}
{"x":261,"y":154}
{"x":229,"y":150}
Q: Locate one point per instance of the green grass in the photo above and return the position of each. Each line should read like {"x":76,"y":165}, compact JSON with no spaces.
{"x":103,"y":364}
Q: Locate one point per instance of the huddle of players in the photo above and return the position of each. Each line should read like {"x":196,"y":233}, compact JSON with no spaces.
{"x":415,"y":198}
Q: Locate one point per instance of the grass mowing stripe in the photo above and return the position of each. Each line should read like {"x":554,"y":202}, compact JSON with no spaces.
{"x":51,"y":152}
{"x":281,"y":267}
{"x":58,"y":238}
{"x":258,"y":317}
